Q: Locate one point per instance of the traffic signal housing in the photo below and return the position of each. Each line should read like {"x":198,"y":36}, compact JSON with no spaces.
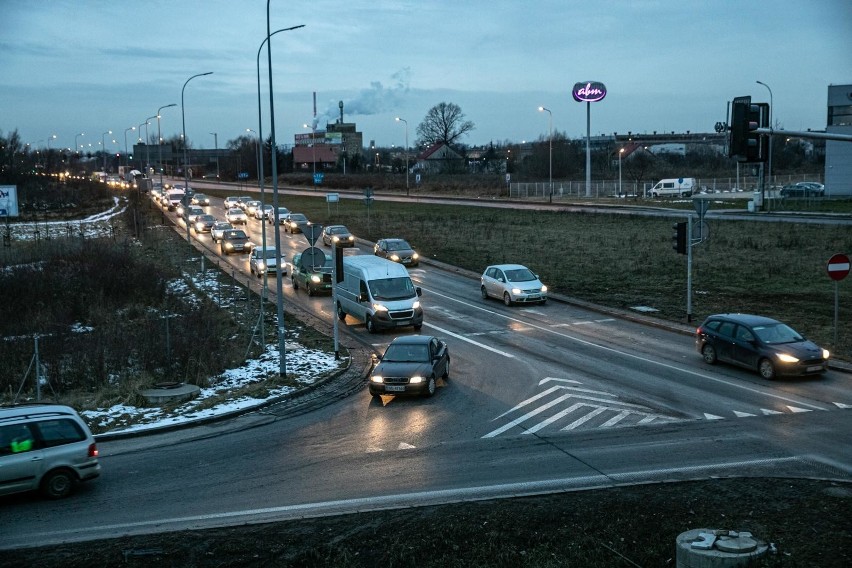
{"x":679,"y":237}
{"x":744,"y":142}
{"x":338,"y":262}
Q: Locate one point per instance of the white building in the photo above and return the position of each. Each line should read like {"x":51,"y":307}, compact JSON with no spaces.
{"x":838,"y":154}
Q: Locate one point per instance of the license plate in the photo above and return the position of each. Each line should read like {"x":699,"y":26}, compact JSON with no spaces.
{"x":401,"y":323}
{"x":395,"y":388}
{"x":814,"y":368}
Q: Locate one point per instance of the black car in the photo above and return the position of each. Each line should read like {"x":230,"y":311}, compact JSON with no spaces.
{"x":412,"y":364}
{"x":759,"y":343}
{"x":397,"y":250}
{"x":803,"y":189}
{"x":235,"y":240}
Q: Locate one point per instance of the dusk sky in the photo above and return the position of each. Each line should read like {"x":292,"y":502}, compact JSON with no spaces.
{"x":90,"y":66}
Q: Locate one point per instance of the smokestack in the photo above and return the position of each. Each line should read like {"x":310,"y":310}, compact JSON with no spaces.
{"x":340,"y":104}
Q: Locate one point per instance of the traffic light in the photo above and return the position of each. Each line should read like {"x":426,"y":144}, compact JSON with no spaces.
{"x":679,"y":237}
{"x":744,"y":143}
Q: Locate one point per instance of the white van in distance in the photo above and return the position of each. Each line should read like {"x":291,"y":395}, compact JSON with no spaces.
{"x":379,"y":292}
{"x":680,"y":187}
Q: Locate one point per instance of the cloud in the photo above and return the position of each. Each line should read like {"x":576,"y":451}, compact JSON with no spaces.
{"x":375,"y":100}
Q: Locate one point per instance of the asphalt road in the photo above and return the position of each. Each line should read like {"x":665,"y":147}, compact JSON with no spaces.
{"x":543,"y":398}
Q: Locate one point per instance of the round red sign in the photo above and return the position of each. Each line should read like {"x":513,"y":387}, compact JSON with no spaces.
{"x":838,"y":267}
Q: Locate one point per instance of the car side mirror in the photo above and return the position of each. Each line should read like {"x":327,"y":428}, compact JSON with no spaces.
{"x":501,"y":280}
{"x":419,"y":291}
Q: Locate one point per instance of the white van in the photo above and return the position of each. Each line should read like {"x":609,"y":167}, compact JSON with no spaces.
{"x":379,"y":292}
{"x":679,"y":187}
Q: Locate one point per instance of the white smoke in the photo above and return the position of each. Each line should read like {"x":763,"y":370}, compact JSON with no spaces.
{"x":374,"y":100}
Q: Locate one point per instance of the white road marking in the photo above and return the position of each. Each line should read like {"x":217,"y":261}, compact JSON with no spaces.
{"x":712,"y":417}
{"x":548,"y":379}
{"x":582,"y":420}
{"x":841,"y":405}
{"x":615,"y":419}
{"x":562,"y":413}
{"x":404,"y":446}
{"x":517,"y":421}
{"x":768,"y":412}
{"x":472,"y":342}
{"x":742,"y":414}
{"x":797,"y":409}
{"x":625,"y":354}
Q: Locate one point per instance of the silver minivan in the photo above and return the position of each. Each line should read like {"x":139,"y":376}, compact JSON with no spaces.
{"x":45,"y":447}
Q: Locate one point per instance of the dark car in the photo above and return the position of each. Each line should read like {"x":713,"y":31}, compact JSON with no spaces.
{"x":235,"y":240}
{"x":313,"y":281}
{"x":204,"y":224}
{"x":337,"y":234}
{"x":803,"y":189}
{"x":397,"y":250}
{"x":282,"y":216}
{"x":412,"y":364}
{"x":759,"y":343}
{"x":293,"y":222}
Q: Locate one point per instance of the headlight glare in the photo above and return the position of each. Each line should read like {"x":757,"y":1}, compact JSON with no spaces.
{"x":787,"y":358}
{"x":376,"y":379}
{"x":416,"y":379}
{"x":379,"y":308}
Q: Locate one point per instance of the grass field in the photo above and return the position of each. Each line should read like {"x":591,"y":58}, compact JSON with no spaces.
{"x":774,"y":269}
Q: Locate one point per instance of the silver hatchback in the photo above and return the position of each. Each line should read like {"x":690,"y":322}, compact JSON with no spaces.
{"x":512,"y":283}
{"x":45,"y":447}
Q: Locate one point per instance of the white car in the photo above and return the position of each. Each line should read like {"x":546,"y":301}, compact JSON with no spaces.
{"x":219,"y":227}
{"x":263,"y":260}
{"x":236,"y":216}
{"x":512,"y":283}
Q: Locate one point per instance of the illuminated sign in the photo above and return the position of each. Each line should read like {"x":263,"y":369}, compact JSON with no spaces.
{"x":588,"y":92}
{"x":8,"y":200}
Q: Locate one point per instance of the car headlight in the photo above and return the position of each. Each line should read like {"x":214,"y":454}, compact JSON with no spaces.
{"x":315,"y":279}
{"x":416,"y":305}
{"x":787,"y":358}
{"x":335,"y":239}
{"x":376,"y":379}
{"x":415,"y":256}
{"x":394,"y":257}
{"x":379,"y":308}
{"x":543,"y":288}
{"x":825,"y":353}
{"x":351,"y":238}
{"x":229,"y":245}
{"x":261,"y":265}
{"x":516,"y":291}
{"x":415,"y":379}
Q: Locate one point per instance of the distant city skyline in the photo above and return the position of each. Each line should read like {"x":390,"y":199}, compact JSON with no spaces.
{"x":90,"y":66}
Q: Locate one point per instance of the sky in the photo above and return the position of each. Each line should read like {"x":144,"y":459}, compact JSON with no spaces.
{"x":90,"y":66}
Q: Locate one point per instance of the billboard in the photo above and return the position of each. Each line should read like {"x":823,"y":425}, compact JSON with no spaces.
{"x":8,"y":200}
{"x":588,"y":91}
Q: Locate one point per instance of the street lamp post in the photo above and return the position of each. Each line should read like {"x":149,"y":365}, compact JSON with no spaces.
{"x":620,"y":153}
{"x":183,"y":124}
{"x":550,"y":147}
{"x":407,"y":188}
{"x":147,"y":146}
{"x":769,"y":164}
{"x":313,"y":128}
{"x":49,"y":138}
{"x":77,"y":146}
{"x":103,"y":146}
{"x":126,"y":130}
{"x":160,"y":140}
{"x":216,"y":146}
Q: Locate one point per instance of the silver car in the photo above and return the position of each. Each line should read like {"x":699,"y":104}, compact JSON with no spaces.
{"x":263,"y":260}
{"x":236,"y":216}
{"x":45,"y":447}
{"x":218,"y":228}
{"x":512,"y":283}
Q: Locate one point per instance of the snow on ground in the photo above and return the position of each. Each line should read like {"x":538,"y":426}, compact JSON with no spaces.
{"x":308,"y":364}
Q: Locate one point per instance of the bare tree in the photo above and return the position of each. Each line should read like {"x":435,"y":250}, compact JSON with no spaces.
{"x":445,"y":122}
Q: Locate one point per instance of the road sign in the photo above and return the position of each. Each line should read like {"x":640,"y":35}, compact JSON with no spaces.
{"x":312,"y":259}
{"x":311,"y":231}
{"x":318,"y":178}
{"x":701,"y":206}
{"x":332,"y":197}
{"x":242,"y":175}
{"x":838,"y":267}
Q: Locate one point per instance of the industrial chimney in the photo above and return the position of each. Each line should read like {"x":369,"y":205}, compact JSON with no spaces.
{"x":340,"y":104}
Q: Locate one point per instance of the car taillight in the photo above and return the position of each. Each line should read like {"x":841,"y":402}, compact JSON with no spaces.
{"x":699,"y":331}
{"x":93,"y":450}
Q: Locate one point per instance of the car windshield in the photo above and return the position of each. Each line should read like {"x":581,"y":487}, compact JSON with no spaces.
{"x":207,"y":218}
{"x":298,"y":218}
{"x":337,"y":230}
{"x":235,"y":234}
{"x":777,"y":333}
{"x":270,"y":253}
{"x":399,"y":288}
{"x":398,"y":245}
{"x":403,"y":353}
{"x":520,"y":275}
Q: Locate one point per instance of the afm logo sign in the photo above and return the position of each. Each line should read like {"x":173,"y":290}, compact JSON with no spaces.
{"x":588,"y":91}
{"x":8,"y":201}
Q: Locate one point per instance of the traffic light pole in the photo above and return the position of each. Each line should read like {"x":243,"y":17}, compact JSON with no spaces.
{"x":689,"y":269}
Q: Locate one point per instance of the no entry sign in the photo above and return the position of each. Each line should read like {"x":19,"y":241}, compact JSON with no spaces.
{"x":838,"y":267}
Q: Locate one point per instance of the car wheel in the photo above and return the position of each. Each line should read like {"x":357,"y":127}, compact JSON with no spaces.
{"x":483,"y":292}
{"x":543,"y":302}
{"x":368,"y":323}
{"x":507,"y":299}
{"x":709,"y":354}
{"x":431,"y":386}
{"x":446,"y":376}
{"x":340,"y":313}
{"x":57,"y":484}
{"x":258,"y":275}
{"x":294,"y":283}
{"x":309,"y":290}
{"x":418,"y":327}
{"x":766,"y":369}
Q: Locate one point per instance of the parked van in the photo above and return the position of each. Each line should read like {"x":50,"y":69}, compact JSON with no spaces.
{"x":379,"y":292}
{"x":45,"y":447}
{"x":680,"y":187}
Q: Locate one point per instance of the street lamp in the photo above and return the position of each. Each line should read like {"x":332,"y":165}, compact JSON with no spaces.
{"x":313,"y":128}
{"x":103,"y":146}
{"x":185,"y":163}
{"x":620,"y":153}
{"x":216,"y":146}
{"x":550,"y":144}
{"x":257,"y":157}
{"x":160,"y":140}
{"x":126,"y":130}
{"x":49,"y":138}
{"x":407,"y":188}
{"x":147,"y":149}
{"x":769,"y":164}
{"x":76,"y":146}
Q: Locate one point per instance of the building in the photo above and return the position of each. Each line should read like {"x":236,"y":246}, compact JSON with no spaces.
{"x":323,"y":150}
{"x":838,"y":154}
